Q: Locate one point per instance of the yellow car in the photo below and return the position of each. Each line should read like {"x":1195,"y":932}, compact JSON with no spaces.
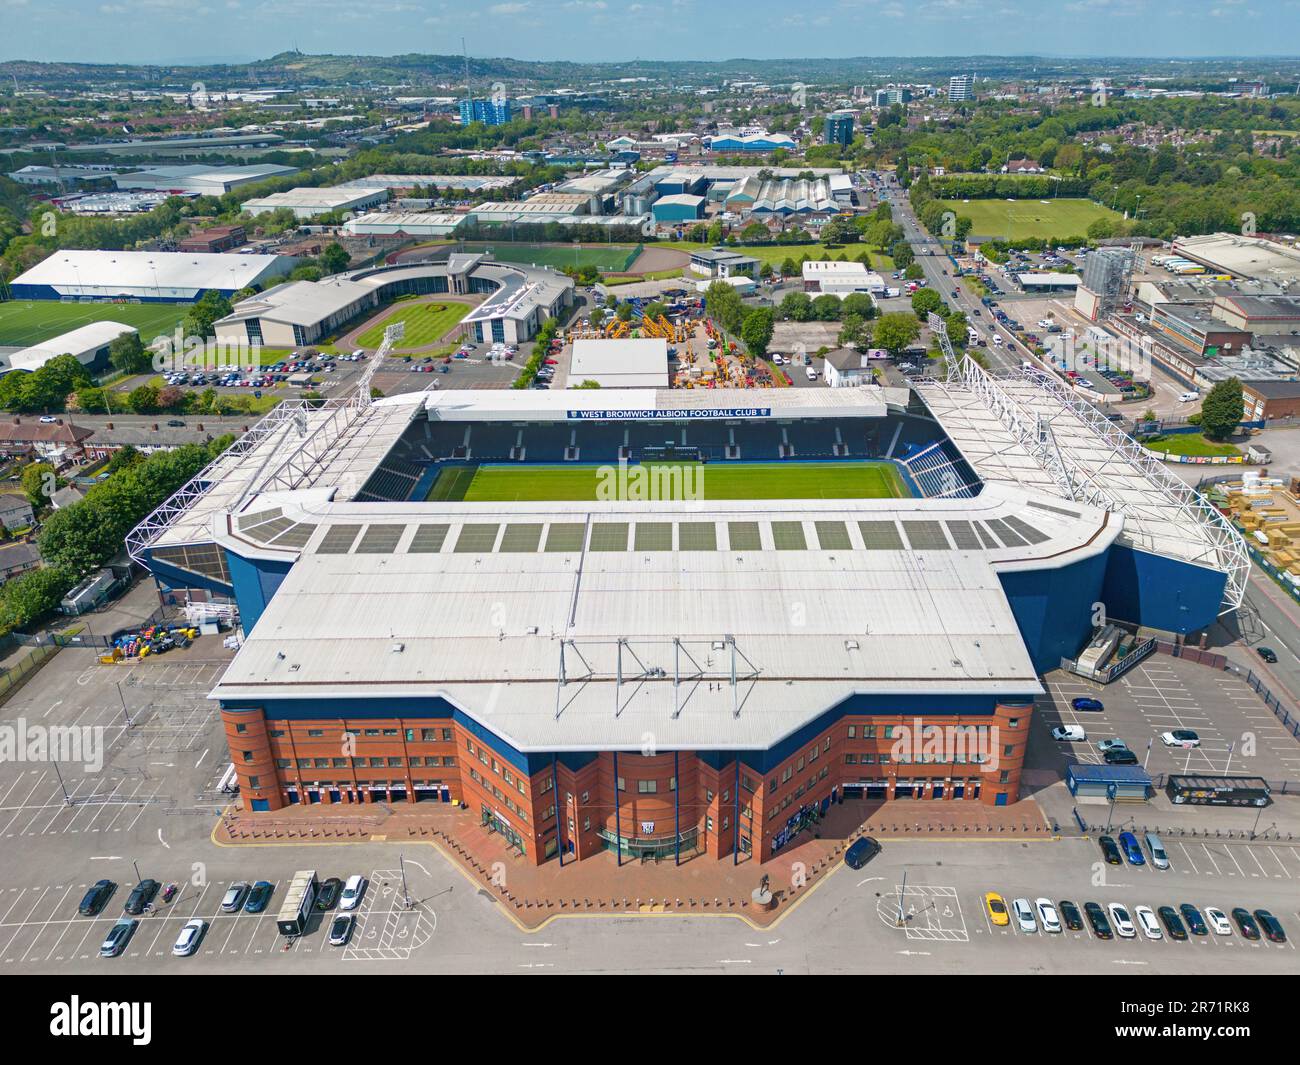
{"x":997,"y":907}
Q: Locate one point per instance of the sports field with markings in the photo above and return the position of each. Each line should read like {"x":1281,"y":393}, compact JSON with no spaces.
{"x":24,"y":322}
{"x":787,"y":480}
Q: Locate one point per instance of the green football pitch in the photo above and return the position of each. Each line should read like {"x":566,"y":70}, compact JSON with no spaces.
{"x":25,"y":322}
{"x":829,"y":480}
{"x":1021,"y":219}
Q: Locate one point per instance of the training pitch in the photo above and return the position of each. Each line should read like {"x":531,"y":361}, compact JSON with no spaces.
{"x":787,"y":480}
{"x":1023,"y":219}
{"x":26,"y":322}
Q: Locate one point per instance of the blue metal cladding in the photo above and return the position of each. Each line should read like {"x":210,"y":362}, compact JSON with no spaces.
{"x":1159,"y":592}
{"x":1054,"y":608}
{"x":255,"y":582}
{"x":175,"y":577}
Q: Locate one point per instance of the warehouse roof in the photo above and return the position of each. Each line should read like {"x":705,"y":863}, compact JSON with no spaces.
{"x":149,"y":269}
{"x":627,"y":363}
{"x":77,"y":341}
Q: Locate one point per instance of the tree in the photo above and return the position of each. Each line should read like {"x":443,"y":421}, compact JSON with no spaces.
{"x":213,"y":305}
{"x":901,"y":252}
{"x":39,"y":483}
{"x":859,"y":304}
{"x":855,"y":332}
{"x":26,"y":599}
{"x":334,"y":259}
{"x":756,"y":331}
{"x":128,"y":354}
{"x":913,"y":272}
{"x":925,"y":300}
{"x":894,"y":332}
{"x":826,"y":308}
{"x":143,"y":400}
{"x":1222,"y":410}
{"x":796,"y":307}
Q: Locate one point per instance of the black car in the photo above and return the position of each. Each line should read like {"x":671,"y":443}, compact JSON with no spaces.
{"x":98,"y":894}
{"x":861,"y":852}
{"x":1267,"y":654}
{"x":176,"y":423}
{"x":1110,"y":850}
{"x":1120,"y":756}
{"x":1195,"y":922}
{"x":258,"y":896}
{"x":1246,"y":923}
{"x":1173,"y":925}
{"x":141,"y":896}
{"x":328,"y":895}
{"x":1097,"y":918}
{"x":1271,"y":925}
{"x":1070,"y":915}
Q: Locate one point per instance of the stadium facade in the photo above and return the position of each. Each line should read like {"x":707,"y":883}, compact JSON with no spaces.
{"x":661,"y":676}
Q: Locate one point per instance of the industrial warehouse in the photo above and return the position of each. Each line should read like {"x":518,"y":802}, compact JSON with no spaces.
{"x":157,"y":276}
{"x":701,"y":670}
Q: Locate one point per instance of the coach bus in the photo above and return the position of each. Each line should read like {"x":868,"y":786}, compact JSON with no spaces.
{"x":1202,"y":790}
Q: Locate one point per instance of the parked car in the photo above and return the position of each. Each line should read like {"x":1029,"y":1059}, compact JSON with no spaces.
{"x":1267,"y":654}
{"x":258,"y":896}
{"x":1271,"y":925}
{"x":1132,"y":852}
{"x":1180,"y":737}
{"x":1146,"y":920}
{"x":341,"y":929}
{"x":1069,"y":733}
{"x":1024,"y":915}
{"x":1195,"y":922}
{"x":95,"y":897}
{"x":1110,"y":850}
{"x":1112,"y":743}
{"x":1047,"y":915}
{"x":1120,"y":756}
{"x":1097,"y":919}
{"x":1173,"y":925}
{"x":328,"y":894}
{"x":233,"y":901}
{"x":118,"y":937}
{"x":141,"y":896}
{"x":352,"y":892}
{"x":997,"y":908}
{"x":1123,"y":923}
{"x":190,"y":937}
{"x":1218,"y":920}
{"x":861,"y":852}
{"x":1070,"y":916}
{"x":1087,"y":705}
{"x":1245,"y":923}
{"x":1159,"y":858}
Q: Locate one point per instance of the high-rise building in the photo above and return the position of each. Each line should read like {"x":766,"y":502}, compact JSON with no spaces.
{"x":961,"y":87}
{"x":892,"y":94}
{"x":488,"y":111}
{"x":838,"y":128}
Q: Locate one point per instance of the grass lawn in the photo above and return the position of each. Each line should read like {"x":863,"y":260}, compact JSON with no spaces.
{"x":426,"y":323}
{"x":24,"y":322}
{"x":1020,"y":219}
{"x":832,"y":480}
{"x":1191,"y":444}
{"x":776,"y":254}
{"x":601,"y":256}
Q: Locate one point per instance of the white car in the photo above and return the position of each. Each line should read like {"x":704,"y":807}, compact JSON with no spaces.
{"x":1024,"y":915}
{"x":1121,"y":921}
{"x":352,"y":892}
{"x":1189,"y":397}
{"x":1070,"y":733}
{"x":779,"y":360}
{"x":48,"y":419}
{"x":812,"y":374}
{"x":1146,"y":918}
{"x":1112,"y":744}
{"x":1218,"y":920}
{"x":188,"y":941}
{"x":341,"y":929}
{"x":1180,"y":737}
{"x":1047,"y":915}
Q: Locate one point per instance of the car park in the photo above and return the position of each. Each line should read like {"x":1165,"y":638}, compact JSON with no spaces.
{"x":1097,"y":920}
{"x":341,"y":929}
{"x":233,"y":900}
{"x":1119,"y":917}
{"x":861,"y":852}
{"x":1146,"y":920}
{"x":1245,"y":923}
{"x":1024,"y":914}
{"x":1218,"y":921}
{"x":352,"y":892}
{"x":1110,"y":850}
{"x":1070,"y":916}
{"x":1047,"y":915}
{"x":1180,"y":737}
{"x":327,"y":896}
{"x":190,"y":937}
{"x":996,"y":906}
{"x":258,"y":896}
{"x":95,"y":897}
{"x":1159,"y":859}
{"x":1087,"y":705}
{"x":1069,"y":733}
{"x":1132,"y":852}
{"x":118,"y":937}
{"x":1173,"y":924}
{"x":140,"y":898}
{"x":1271,"y":925}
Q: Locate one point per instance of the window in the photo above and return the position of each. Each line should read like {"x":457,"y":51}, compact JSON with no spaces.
{"x":853,"y":732}
{"x":254,"y":782}
{"x":410,"y":735}
{"x":585,"y":798}
{"x":1004,"y":777}
{"x":275,"y":733}
{"x":241,"y":727}
{"x":447,"y":736}
{"x":315,"y":733}
{"x":672,"y":783}
{"x":246,"y":755}
{"x":586,"y":824}
{"x":428,"y":734}
{"x":621,"y":785}
{"x":1013,"y":722}
{"x":282,"y":763}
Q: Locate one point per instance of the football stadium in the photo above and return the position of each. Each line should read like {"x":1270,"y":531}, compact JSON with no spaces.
{"x":671,"y":622}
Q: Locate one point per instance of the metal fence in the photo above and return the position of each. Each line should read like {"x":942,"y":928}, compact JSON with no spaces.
{"x":15,"y":676}
{"x":1217,"y":661}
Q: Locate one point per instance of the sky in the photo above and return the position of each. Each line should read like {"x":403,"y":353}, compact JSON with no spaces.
{"x":185,"y":31}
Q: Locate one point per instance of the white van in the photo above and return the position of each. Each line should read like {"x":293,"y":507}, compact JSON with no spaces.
{"x":812,"y":374}
{"x":1069,"y":733}
{"x":1189,"y":397}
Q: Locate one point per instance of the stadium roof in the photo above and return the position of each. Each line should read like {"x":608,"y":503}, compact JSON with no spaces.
{"x":822,"y":600}
{"x":123,"y":270}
